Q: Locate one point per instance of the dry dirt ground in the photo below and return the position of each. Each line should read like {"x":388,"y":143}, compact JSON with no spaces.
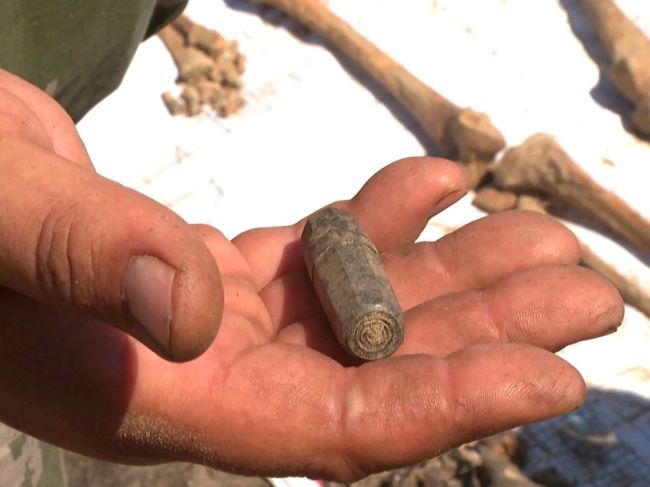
{"x":86,"y":472}
{"x":487,"y":463}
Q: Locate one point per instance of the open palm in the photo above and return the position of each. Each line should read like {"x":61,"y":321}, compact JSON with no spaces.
{"x":273,"y":394}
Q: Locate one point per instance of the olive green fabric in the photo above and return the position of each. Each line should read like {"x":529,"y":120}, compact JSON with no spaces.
{"x":28,"y":462}
{"x":77,"y":50}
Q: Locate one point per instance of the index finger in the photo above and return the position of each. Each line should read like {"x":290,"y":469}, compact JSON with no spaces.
{"x":392,"y":207}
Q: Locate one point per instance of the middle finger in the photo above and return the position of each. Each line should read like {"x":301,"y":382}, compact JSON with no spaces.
{"x":473,"y":257}
{"x":549,"y":307}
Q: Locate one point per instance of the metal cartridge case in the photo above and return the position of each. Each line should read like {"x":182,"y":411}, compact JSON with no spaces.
{"x":347,"y":274}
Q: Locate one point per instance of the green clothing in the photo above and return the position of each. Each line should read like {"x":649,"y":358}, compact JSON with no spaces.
{"x":77,"y":50}
{"x":28,"y":462}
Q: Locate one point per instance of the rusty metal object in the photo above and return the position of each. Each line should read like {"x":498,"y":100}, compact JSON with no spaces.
{"x":346,"y":271}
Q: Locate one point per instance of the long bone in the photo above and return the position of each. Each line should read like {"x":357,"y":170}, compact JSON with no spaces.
{"x":460,"y":133}
{"x":541,"y":165}
{"x":469,"y":136}
{"x":629,"y":50}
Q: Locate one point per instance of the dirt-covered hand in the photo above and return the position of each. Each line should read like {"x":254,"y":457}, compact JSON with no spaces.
{"x":69,"y":237}
{"x":485,"y":308}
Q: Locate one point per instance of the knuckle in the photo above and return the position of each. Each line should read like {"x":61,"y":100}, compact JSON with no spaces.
{"x":62,"y":263}
{"x":349,"y":470}
{"x":342,"y":467}
{"x":207,"y":231}
{"x":482,"y":301}
{"x":18,"y":120}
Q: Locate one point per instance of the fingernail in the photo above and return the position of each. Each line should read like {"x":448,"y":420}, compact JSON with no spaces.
{"x":148,"y":289}
{"x":447,"y":201}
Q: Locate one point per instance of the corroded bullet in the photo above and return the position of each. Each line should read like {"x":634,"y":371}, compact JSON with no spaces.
{"x":346,"y":271}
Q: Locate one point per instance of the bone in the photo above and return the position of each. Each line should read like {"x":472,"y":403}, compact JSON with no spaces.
{"x":492,"y":200}
{"x":209,"y":69}
{"x":208,"y":40}
{"x":629,"y":51}
{"x":460,"y":133}
{"x":631,"y":291}
{"x":470,"y":136}
{"x":502,"y":472}
{"x":541,"y":165}
{"x":191,"y":63}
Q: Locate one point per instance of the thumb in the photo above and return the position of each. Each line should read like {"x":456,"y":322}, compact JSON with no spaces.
{"x":73,"y":238}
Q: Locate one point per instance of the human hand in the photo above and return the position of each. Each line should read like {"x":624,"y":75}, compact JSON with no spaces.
{"x":274,"y":395}
{"x":72,"y":238}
